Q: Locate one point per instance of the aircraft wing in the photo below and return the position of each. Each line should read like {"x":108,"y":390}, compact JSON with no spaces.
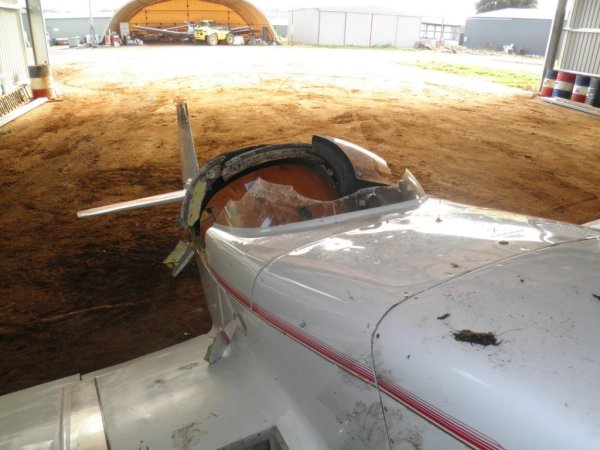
{"x":163,"y":31}
{"x":169,"y":399}
{"x":241,"y":30}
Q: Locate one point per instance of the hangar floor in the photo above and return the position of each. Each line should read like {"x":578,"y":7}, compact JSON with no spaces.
{"x":79,"y":295}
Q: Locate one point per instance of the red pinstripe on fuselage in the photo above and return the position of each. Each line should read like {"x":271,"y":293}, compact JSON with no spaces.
{"x":446,"y":423}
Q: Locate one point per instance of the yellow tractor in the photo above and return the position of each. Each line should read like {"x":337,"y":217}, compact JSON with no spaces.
{"x":205,"y":31}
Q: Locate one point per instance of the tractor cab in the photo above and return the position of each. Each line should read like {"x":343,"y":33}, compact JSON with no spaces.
{"x":208,"y":32}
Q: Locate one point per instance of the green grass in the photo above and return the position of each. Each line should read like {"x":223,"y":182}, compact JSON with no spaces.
{"x":351,"y":47}
{"x":512,"y":78}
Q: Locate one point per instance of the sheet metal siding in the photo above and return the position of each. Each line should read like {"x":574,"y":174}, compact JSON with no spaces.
{"x":407,"y":31}
{"x":580,"y":52}
{"x":352,"y":28}
{"x":358,"y":29}
{"x":531,"y":35}
{"x":383,"y":31}
{"x":304,"y":26}
{"x":13,"y":59}
{"x":80,"y":26}
{"x":332,"y":28}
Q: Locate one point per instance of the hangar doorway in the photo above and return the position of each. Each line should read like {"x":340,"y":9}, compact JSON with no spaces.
{"x":179,"y":14}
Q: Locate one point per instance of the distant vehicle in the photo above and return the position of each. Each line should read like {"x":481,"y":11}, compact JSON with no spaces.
{"x":350,"y":311}
{"x":205,"y":31}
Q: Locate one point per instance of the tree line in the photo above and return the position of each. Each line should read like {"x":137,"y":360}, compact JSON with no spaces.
{"x":492,"y":5}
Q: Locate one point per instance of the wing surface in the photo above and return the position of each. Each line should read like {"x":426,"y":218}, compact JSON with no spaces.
{"x":163,"y":31}
{"x":241,"y":30}
{"x":169,"y":399}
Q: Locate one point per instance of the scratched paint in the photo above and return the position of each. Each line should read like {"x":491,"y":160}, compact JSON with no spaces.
{"x":188,"y":436}
{"x":366,"y":423}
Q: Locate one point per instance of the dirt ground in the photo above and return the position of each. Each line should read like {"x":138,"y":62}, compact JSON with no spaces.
{"x":78,"y":295}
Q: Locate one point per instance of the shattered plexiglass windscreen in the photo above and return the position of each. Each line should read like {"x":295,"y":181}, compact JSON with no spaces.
{"x":266,"y":204}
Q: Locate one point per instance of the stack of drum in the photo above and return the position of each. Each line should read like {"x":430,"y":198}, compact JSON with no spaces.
{"x":577,"y":88}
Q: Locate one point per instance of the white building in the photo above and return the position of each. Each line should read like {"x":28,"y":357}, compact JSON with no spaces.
{"x":437,"y":31}
{"x":364,"y":27}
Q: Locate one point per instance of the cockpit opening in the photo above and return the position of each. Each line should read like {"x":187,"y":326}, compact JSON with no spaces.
{"x":273,"y":185}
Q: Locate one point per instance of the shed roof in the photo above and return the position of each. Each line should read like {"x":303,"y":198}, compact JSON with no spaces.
{"x":369,"y":9}
{"x":515,"y":13}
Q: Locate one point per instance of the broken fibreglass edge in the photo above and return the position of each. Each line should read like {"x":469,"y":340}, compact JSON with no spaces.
{"x":140,"y":203}
{"x":179,"y":257}
{"x":192,"y":207}
{"x":220,"y":344}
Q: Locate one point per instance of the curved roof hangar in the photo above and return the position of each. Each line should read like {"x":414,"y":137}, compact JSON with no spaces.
{"x":165,"y":13}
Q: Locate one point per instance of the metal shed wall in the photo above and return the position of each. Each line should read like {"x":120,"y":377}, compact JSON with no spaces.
{"x":531,"y":35}
{"x":13,"y":59}
{"x":332,"y":28}
{"x":324,"y":27}
{"x":71,"y":26}
{"x":358,"y":29}
{"x":304,"y":26}
{"x":383,"y":30}
{"x":408,"y":30}
{"x":580,"y":52}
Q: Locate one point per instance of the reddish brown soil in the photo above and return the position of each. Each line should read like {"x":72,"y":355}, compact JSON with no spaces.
{"x":78,"y":295}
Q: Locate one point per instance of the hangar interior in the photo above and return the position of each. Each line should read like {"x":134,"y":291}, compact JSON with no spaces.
{"x":83,"y":293}
{"x":170,"y":13}
{"x":175,"y":12}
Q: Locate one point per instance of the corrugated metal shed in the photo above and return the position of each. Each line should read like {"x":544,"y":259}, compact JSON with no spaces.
{"x":516,"y":13}
{"x":13,"y":59}
{"x":383,"y":32}
{"x":304,"y":26}
{"x":407,"y":31}
{"x":71,"y":26}
{"x":332,"y":28}
{"x":527,"y":29}
{"x":358,"y":27}
{"x":65,"y":27}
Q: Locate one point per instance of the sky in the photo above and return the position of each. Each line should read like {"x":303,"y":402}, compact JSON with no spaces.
{"x":442,"y":8}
